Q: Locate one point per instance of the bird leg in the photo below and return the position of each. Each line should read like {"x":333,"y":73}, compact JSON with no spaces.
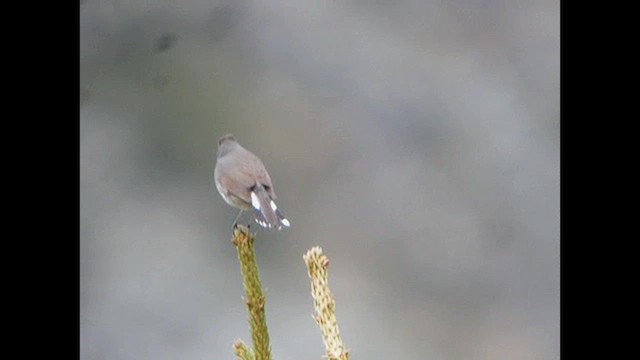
{"x":235,"y":222}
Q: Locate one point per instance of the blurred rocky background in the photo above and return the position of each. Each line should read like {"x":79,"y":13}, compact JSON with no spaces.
{"x":415,"y":141}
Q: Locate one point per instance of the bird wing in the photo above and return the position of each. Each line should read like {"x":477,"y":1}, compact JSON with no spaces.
{"x":242,"y":176}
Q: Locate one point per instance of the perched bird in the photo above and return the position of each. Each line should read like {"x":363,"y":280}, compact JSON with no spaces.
{"x":243,"y":182}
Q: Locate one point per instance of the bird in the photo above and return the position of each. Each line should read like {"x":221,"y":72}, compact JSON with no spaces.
{"x":243,"y":182}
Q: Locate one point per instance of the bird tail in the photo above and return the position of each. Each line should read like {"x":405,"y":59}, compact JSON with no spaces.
{"x":265,"y":209}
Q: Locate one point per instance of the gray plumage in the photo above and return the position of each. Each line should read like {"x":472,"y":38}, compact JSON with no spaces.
{"x":243,"y":182}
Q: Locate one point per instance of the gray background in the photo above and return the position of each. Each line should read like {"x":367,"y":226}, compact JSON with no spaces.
{"x":416,"y":142}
